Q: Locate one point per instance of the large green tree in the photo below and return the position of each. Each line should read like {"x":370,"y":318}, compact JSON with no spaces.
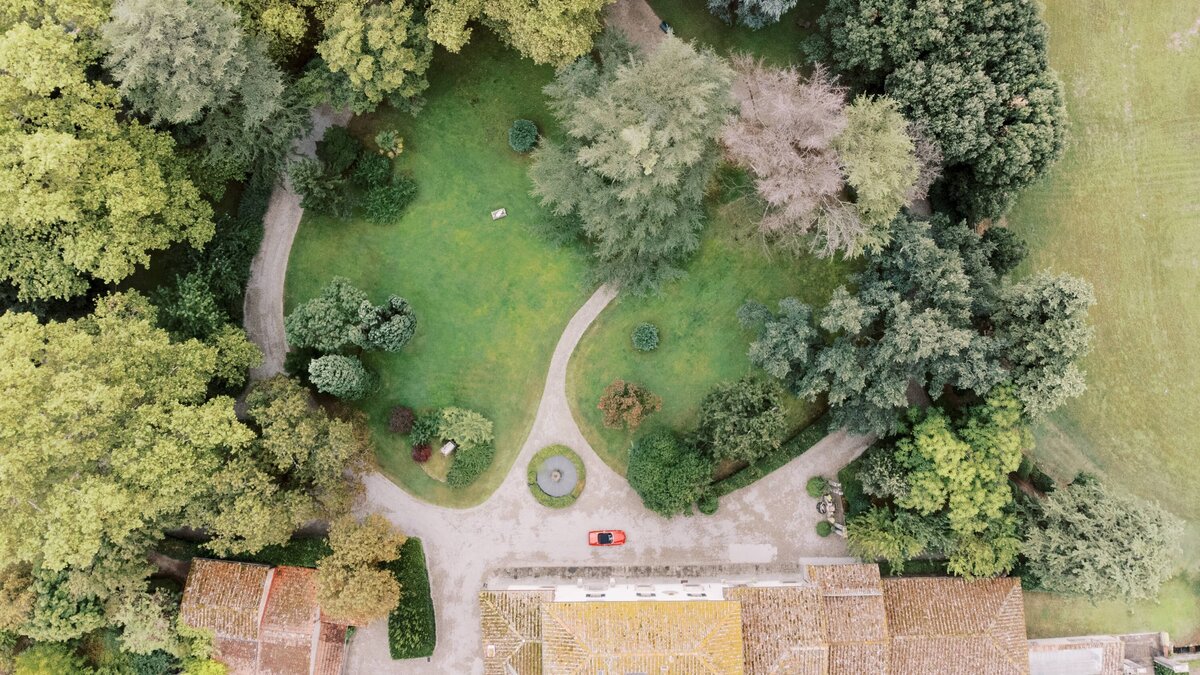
{"x":639,"y":153}
{"x":1091,"y":540}
{"x":124,"y":445}
{"x":352,"y":584}
{"x":84,"y":195}
{"x":548,"y":31}
{"x":380,"y":49}
{"x":974,"y":72}
{"x":668,"y":473}
{"x":742,"y":420}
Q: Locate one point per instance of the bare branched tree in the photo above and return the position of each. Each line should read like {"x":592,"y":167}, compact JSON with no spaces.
{"x":784,"y":134}
{"x":929,"y":158}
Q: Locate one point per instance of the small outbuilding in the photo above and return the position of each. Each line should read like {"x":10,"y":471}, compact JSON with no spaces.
{"x":449,"y":447}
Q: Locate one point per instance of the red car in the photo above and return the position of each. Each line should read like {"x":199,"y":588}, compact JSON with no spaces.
{"x":606,"y":537}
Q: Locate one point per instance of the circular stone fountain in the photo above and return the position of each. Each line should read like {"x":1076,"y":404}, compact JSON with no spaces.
{"x":557,"y":476}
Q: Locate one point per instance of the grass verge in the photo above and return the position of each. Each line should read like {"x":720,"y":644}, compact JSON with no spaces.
{"x":531,"y":476}
{"x":701,"y":343}
{"x":412,"y":629}
{"x":491,"y":297}
{"x":778,"y":43}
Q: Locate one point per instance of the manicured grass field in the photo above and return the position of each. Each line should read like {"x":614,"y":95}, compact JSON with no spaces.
{"x":491,"y":297}
{"x":1121,"y":209}
{"x":778,"y":43}
{"x":1176,"y":612}
{"x":701,"y":343}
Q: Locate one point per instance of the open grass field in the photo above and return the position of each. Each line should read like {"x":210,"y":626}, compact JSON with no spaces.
{"x":1176,"y":612}
{"x":1122,"y":209}
{"x":778,"y":43}
{"x":491,"y":297}
{"x":701,"y":343}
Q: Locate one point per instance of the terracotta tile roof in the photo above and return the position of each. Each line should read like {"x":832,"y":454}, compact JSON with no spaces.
{"x":239,"y":656}
{"x":512,"y":631}
{"x":955,"y":626}
{"x":702,"y":637}
{"x":846,"y":579}
{"x":783,"y":629}
{"x":331,"y":650}
{"x":860,"y":658}
{"x":291,"y":601}
{"x":224,"y":597}
{"x":285,"y":655}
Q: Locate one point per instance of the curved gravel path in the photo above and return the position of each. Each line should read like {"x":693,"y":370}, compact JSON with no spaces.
{"x":772,"y":521}
{"x":263,"y":305}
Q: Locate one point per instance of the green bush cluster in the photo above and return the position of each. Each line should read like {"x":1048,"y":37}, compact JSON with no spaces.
{"x":425,"y":428}
{"x":522,"y":136}
{"x":469,"y":464}
{"x":536,"y":462}
{"x":708,"y":504}
{"x":824,"y":529}
{"x":386,"y":203}
{"x":788,"y":451}
{"x":645,"y":337}
{"x":817,"y":485}
{"x":342,"y":376}
{"x":372,"y":170}
{"x":412,"y":630}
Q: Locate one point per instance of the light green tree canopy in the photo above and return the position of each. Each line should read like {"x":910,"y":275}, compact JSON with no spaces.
{"x":640,"y":152}
{"x":879,"y":158}
{"x":547,"y":31}
{"x":351,"y":583}
{"x":381,"y":48}
{"x":82,"y":195}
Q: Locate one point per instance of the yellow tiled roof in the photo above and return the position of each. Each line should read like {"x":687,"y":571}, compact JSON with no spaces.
{"x":702,"y":637}
{"x":512,"y":631}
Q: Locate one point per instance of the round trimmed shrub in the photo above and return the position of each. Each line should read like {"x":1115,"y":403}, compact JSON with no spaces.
{"x":708,"y":504}
{"x":645,"y":337}
{"x":522,"y":136}
{"x":401,"y":420}
{"x":817,"y":485}
{"x":536,"y":462}
{"x":386,"y":203}
{"x":340,"y":376}
{"x":824,"y":529}
{"x":421,"y":453}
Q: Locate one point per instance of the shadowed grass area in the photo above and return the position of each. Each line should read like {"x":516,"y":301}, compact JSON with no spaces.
{"x":491,"y":297}
{"x":1120,"y":210}
{"x":778,"y":43}
{"x":701,"y":342}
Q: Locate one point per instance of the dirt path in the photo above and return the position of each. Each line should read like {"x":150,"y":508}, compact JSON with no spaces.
{"x":263,"y":306}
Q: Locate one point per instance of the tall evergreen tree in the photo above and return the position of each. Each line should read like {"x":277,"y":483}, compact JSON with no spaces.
{"x":640,"y":152}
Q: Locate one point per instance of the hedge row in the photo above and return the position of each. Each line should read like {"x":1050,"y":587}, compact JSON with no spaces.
{"x":790,"y":450}
{"x":412,"y":631}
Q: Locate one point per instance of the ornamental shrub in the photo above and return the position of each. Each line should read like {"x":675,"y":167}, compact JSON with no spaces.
{"x":824,"y":529}
{"x":412,"y":631}
{"x":341,"y":376}
{"x":626,"y":404}
{"x":668,"y":473}
{"x":816,"y":486}
{"x":465,"y":427}
{"x":371,"y":170}
{"x":337,"y":150}
{"x":390,"y":142}
{"x":645,"y":337}
{"x":386,"y":203}
{"x":522,"y":136}
{"x":708,"y":504}
{"x":470,"y":462}
{"x":401,"y":419}
{"x":425,"y":428}
{"x":421,"y":453}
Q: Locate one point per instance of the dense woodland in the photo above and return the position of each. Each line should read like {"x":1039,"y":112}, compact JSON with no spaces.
{"x":148,"y":134}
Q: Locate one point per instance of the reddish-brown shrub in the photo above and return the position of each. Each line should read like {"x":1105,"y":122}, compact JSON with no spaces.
{"x":626,"y":404}
{"x":401,"y":420}
{"x":421,"y":453}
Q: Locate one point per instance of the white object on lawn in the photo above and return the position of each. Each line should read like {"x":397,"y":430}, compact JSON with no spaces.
{"x":499,"y":213}
{"x":448,"y":448}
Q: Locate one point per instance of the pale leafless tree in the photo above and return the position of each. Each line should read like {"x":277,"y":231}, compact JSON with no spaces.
{"x":784,"y":135}
{"x":929,"y":159}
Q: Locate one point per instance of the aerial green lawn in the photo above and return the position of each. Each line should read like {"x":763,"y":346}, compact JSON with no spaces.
{"x":701,"y":343}
{"x":778,"y":43}
{"x":491,"y":297}
{"x":1176,"y":611}
{"x":1120,"y":209}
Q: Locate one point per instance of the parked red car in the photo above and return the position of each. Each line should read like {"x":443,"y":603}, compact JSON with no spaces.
{"x":606,"y":537}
